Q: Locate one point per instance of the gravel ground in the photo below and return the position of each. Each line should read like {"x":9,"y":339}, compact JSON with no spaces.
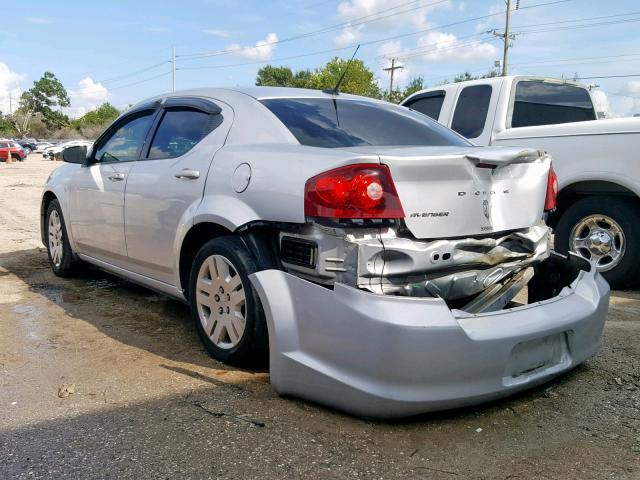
{"x":100,"y":378}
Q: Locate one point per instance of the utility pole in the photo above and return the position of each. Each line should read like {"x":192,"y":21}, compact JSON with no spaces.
{"x":392,"y":70}
{"x":506,"y":37}
{"x":173,"y":69}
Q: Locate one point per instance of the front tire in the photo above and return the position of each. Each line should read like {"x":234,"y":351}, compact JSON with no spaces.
{"x":59,"y":251}
{"x":224,"y":305}
{"x":605,"y":230}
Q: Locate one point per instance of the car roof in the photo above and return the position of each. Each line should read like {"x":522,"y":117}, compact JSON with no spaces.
{"x":256,"y":93}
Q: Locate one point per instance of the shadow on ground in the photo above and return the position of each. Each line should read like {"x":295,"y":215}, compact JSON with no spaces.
{"x":120,"y":309}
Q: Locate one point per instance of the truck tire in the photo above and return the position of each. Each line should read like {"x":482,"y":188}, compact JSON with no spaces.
{"x":605,"y":230}
{"x":225,"y":307}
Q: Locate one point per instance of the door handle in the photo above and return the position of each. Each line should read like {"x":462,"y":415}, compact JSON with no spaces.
{"x":116,"y":177}
{"x":188,"y":174}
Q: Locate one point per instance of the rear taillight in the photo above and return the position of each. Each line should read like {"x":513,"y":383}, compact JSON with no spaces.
{"x":355,"y":191}
{"x":551,"y":201}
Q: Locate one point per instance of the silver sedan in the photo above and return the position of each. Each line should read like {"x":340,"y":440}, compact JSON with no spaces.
{"x":378,"y":259}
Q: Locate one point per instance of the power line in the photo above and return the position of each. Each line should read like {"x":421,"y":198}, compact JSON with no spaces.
{"x":601,"y":17}
{"x":609,"y":76}
{"x":141,"y":81}
{"x":320,"y":52}
{"x":575,"y":27}
{"x":133,"y":73}
{"x":372,"y":42}
{"x":353,"y":22}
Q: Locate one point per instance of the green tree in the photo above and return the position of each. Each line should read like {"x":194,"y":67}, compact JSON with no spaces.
{"x":101,"y":116}
{"x":415,"y":85}
{"x":6,"y":126}
{"x":270,"y":76}
{"x":92,"y":123}
{"x":463,"y":77}
{"x":46,"y":97}
{"x":359,"y":79}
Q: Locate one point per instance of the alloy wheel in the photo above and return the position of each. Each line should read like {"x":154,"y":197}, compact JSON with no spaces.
{"x":600,"y":239}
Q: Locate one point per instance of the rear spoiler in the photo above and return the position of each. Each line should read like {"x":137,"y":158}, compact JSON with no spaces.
{"x":495,"y":159}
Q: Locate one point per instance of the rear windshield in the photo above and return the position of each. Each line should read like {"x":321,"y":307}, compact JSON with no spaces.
{"x":331,"y":123}
{"x":543,"y":103}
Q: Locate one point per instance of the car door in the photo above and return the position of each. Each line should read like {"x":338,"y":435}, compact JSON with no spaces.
{"x":96,"y":196}
{"x":166,"y":186}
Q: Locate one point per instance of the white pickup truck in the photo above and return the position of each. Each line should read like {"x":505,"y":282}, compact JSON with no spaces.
{"x":597,"y":161}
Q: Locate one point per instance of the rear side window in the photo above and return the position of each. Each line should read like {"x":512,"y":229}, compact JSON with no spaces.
{"x":430,"y":104}
{"x":4,"y":145}
{"x":180,"y":130}
{"x":543,"y":103}
{"x":335,"y":123}
{"x":471,"y":110}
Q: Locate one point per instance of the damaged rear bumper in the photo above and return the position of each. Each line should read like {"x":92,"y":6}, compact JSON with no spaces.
{"x":389,"y":356}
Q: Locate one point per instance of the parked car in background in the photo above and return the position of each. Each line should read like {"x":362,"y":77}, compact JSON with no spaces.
{"x":28,"y":144}
{"x":51,"y":152}
{"x":13,"y":149}
{"x":42,"y":145}
{"x":57,"y":152}
{"x":374,"y":253}
{"x":597,"y":161}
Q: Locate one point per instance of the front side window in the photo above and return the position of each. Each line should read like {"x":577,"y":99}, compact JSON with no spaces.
{"x":543,"y":103}
{"x":336,"y":123}
{"x":179,"y":131}
{"x":471,"y":111}
{"x":125,"y":143}
{"x":430,"y":104}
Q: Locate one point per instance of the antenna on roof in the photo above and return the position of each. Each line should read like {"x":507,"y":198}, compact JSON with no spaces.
{"x":335,"y":90}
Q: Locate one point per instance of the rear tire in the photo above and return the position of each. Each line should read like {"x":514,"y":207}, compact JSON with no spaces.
{"x":59,"y":251}
{"x":606,"y":230}
{"x":224,"y":305}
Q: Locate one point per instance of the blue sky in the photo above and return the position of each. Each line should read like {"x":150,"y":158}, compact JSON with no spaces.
{"x":119,"y":50}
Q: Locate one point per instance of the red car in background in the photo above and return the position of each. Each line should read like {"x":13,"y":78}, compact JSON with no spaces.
{"x":11,"y":148}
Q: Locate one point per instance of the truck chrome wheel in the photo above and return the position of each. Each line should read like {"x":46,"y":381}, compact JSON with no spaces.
{"x":55,"y":238}
{"x":600,"y":239}
{"x":221,"y":302}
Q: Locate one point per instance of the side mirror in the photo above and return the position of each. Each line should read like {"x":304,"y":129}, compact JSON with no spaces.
{"x":76,"y":154}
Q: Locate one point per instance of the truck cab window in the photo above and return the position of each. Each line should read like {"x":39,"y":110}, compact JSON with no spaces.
{"x":545,"y":103}
{"x":430,"y":103}
{"x":471,"y":110}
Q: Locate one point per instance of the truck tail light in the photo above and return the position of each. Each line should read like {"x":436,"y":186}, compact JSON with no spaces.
{"x":551,"y":201}
{"x":363,"y":190}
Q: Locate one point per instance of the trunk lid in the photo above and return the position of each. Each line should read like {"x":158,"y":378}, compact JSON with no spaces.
{"x":451,"y":192}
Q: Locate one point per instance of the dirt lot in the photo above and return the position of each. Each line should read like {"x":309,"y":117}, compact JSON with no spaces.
{"x":147,"y":402}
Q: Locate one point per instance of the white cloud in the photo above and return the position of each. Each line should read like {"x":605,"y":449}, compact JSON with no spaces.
{"x":601,"y":102}
{"x":439,"y":46}
{"x":388,"y":50}
{"x":263,"y":49}
{"x":627,"y":101}
{"x":38,"y":20}
{"x":413,"y":14}
{"x":632,"y":88}
{"x":89,"y":95}
{"x":348,"y":36}
{"x":9,"y":88}
{"x":217,"y":33}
